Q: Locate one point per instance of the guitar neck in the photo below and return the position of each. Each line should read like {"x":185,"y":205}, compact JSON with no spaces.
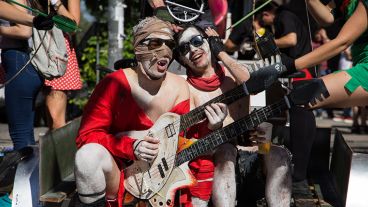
{"x":196,"y":115}
{"x":227,"y":133}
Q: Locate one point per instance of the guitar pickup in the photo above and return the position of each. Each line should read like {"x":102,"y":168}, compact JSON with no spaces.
{"x":170,"y":130}
{"x":161,"y":170}
{"x":165,"y":164}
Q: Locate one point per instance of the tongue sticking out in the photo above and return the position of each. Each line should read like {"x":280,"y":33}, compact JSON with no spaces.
{"x":162,"y":65}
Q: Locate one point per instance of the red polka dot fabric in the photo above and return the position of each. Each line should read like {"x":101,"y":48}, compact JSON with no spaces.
{"x":71,"y":79}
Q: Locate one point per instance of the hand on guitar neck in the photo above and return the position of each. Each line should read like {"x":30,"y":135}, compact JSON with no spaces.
{"x":146,"y":149}
{"x":216,"y":114}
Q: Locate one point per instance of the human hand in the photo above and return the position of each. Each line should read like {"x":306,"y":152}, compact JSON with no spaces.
{"x":176,"y":28}
{"x":146,"y":149}
{"x":214,"y":41}
{"x":289,"y":64}
{"x":262,"y":133}
{"x":216,"y":114}
{"x":43,"y":23}
{"x":261,"y":137}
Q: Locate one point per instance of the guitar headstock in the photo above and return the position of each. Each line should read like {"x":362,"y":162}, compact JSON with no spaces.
{"x":308,"y":92}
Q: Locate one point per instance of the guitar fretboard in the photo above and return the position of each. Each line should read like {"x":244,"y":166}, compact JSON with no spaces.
{"x":225,"y":134}
{"x":196,"y":115}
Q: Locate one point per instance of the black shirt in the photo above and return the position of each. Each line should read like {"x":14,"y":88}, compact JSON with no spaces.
{"x":242,"y":32}
{"x":287,"y":22}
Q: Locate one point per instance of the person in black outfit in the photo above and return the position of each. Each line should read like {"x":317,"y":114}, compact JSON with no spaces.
{"x":243,"y":33}
{"x":291,"y":36}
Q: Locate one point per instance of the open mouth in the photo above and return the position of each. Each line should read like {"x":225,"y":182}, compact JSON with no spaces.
{"x":162,"y":62}
{"x":195,"y":57}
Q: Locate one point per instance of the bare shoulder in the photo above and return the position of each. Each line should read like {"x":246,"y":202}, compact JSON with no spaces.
{"x":179,"y":86}
{"x":177,"y":80}
{"x":129,"y":72}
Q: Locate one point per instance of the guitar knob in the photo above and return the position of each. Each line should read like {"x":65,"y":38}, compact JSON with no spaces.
{"x":168,"y":202}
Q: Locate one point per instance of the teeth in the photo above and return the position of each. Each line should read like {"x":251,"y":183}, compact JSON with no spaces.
{"x":162,"y":62}
{"x":195,"y":57}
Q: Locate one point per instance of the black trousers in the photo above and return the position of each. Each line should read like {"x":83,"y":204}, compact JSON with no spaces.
{"x":302,"y":134}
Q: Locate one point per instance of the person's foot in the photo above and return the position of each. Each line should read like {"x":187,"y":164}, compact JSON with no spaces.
{"x":5,"y":201}
{"x":355,"y":129}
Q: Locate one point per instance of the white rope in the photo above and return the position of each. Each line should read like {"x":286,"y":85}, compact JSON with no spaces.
{"x":310,"y":34}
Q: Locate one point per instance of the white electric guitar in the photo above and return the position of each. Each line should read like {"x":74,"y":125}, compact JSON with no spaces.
{"x":144,"y":180}
{"x":158,"y":181}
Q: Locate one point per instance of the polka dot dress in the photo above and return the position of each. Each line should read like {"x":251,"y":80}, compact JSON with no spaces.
{"x":71,"y":79}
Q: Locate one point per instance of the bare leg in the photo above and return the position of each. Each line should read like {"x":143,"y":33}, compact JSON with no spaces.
{"x":339,"y":96}
{"x":197,"y":202}
{"x":95,"y":172}
{"x":224,"y":184}
{"x":278,"y":179}
{"x":355,"y":115}
{"x":56,"y":106}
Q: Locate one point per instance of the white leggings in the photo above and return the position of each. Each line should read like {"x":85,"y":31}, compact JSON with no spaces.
{"x":197,"y":202}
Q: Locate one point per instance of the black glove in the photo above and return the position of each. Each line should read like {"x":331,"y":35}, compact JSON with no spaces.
{"x":163,"y":14}
{"x":216,"y":45}
{"x":263,"y":76}
{"x":43,"y":23}
{"x":289,"y":64}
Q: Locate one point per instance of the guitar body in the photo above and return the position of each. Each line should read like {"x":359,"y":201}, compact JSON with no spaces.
{"x":179,"y":178}
{"x":142,"y":179}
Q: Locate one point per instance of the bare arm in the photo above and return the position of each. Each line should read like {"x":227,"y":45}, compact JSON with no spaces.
{"x":236,"y":69}
{"x":10,"y":13}
{"x":72,"y":12}
{"x":17,"y":31}
{"x":239,"y":71}
{"x":321,"y":13}
{"x":352,"y":29}
{"x":156,"y":3}
{"x":287,"y":41}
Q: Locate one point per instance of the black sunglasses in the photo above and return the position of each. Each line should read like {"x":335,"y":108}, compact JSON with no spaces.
{"x":196,"y":41}
{"x":154,"y":43}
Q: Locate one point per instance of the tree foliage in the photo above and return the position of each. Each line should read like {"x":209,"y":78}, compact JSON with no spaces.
{"x":89,"y":55}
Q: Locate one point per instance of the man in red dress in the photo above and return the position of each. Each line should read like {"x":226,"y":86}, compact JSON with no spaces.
{"x":127,"y":100}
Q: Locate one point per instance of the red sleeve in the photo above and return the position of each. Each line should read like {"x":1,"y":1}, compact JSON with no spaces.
{"x":97,"y":120}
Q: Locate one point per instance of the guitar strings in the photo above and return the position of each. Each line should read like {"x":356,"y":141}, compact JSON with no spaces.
{"x":249,"y":118}
{"x":267,"y":109}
